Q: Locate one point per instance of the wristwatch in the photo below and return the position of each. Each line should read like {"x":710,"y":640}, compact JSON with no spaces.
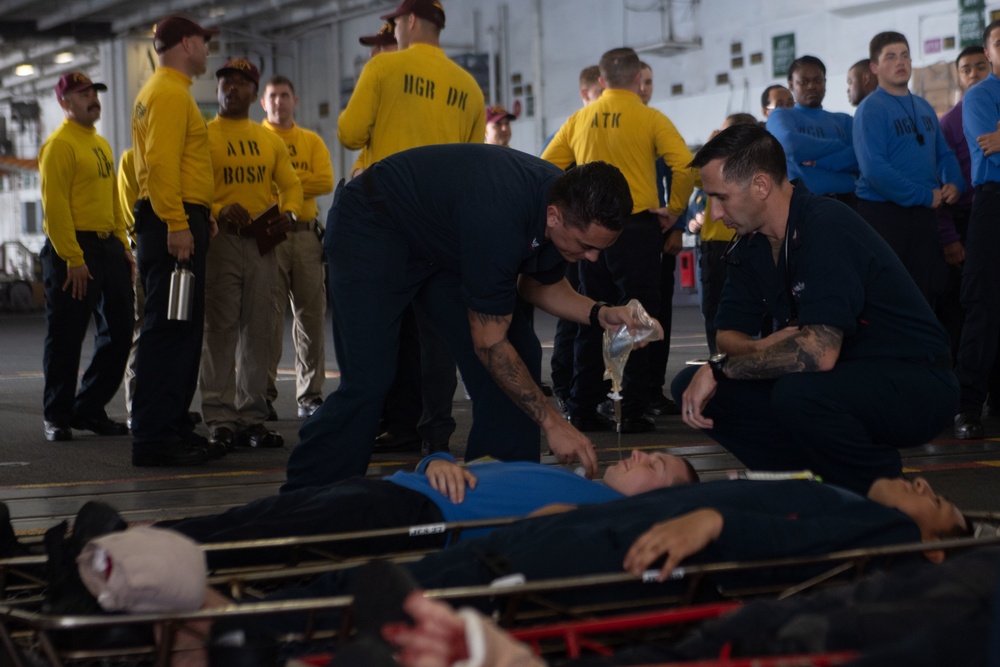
{"x":718,"y":363}
{"x":595,"y":321}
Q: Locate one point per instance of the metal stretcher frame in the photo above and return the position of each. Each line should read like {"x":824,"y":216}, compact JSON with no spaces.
{"x":25,"y":569}
{"x":41,"y":626}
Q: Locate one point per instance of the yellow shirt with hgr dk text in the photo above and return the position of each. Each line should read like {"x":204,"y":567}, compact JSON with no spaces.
{"x":409,"y":98}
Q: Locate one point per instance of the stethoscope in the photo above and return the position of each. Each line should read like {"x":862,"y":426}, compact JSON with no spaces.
{"x":729,"y":258}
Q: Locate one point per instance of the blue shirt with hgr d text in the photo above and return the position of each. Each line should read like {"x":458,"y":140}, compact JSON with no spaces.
{"x":821,"y":138}
{"x":901,"y":152}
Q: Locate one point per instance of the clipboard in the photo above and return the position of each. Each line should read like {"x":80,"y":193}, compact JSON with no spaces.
{"x":260,"y":226}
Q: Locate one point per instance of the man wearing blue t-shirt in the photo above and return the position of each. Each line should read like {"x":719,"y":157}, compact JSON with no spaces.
{"x":981,"y":273}
{"x":860,"y":368}
{"x":438,"y":490}
{"x":817,"y":143}
{"x":907,"y":168}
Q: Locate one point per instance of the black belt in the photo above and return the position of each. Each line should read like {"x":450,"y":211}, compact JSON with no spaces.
{"x":144,"y":204}
{"x":989,"y":187}
{"x":100,"y":235}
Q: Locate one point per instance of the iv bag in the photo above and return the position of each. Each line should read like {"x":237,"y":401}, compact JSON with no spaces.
{"x":618,"y":344}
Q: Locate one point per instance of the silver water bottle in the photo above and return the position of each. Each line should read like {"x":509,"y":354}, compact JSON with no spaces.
{"x":181,"y":293}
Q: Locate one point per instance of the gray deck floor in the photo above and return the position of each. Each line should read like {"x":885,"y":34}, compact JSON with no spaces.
{"x":41,"y":480}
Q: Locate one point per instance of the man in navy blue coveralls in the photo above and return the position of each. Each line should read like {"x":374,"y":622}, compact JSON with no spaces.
{"x":695,"y":523}
{"x":858,"y":366}
{"x":460,"y":229}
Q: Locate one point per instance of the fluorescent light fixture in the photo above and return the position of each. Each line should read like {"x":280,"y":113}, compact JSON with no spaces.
{"x":64,"y":57}
{"x":27,"y":69}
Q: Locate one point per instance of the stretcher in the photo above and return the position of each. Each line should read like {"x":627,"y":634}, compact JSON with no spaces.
{"x":22,"y":578}
{"x":25,"y":630}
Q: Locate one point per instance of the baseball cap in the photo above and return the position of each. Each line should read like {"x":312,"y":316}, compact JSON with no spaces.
{"x":241,"y":65}
{"x":172,"y":29}
{"x":497,"y":112}
{"x":385,"y":36}
{"x":430,"y":10}
{"x":74,"y":82}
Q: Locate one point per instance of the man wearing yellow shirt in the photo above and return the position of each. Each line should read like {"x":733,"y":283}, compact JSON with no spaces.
{"x":300,"y":258}
{"x":413,"y":97}
{"x":381,"y":42}
{"x":242,"y":287}
{"x":172,"y":225}
{"x":87,"y":267}
{"x":618,"y":128}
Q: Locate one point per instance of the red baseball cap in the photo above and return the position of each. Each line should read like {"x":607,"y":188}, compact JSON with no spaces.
{"x":386,"y":36}
{"x":497,"y":112}
{"x":243,"y":66}
{"x":74,"y":82}
{"x":172,"y":29}
{"x":429,"y":10}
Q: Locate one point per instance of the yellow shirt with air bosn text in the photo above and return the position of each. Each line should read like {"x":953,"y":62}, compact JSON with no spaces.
{"x":618,"y":128}
{"x":248,"y":162}
{"x":171,"y":148}
{"x":409,"y":98}
{"x":79,"y":192}
{"x":311,"y":160}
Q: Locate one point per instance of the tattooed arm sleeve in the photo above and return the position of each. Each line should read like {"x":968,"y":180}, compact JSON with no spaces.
{"x":489,"y":338}
{"x":815,"y":348}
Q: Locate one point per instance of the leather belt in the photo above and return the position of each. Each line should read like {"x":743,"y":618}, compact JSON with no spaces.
{"x":302,"y":226}
{"x":238,"y":230}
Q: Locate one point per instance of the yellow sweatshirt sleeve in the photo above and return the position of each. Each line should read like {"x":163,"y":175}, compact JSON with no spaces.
{"x":318,"y":181}
{"x":56,"y":166}
{"x":128,"y":188}
{"x":671,"y":147}
{"x":559,"y":151}
{"x":164,"y":138}
{"x":289,"y":186}
{"x":354,"y":127}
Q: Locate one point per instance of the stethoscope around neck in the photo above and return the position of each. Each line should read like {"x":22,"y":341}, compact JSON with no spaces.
{"x":729,"y":258}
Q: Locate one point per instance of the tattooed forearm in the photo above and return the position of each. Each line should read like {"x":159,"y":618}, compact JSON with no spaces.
{"x":486,"y":318}
{"x":803,"y":352}
{"x":489,"y":337}
{"x":509,"y":371}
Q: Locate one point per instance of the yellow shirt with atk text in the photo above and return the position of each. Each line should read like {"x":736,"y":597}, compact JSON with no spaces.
{"x":619,"y":129}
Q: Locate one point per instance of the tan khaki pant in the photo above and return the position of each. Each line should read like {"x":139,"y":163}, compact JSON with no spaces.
{"x":241,"y":315}
{"x":301,"y":277}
